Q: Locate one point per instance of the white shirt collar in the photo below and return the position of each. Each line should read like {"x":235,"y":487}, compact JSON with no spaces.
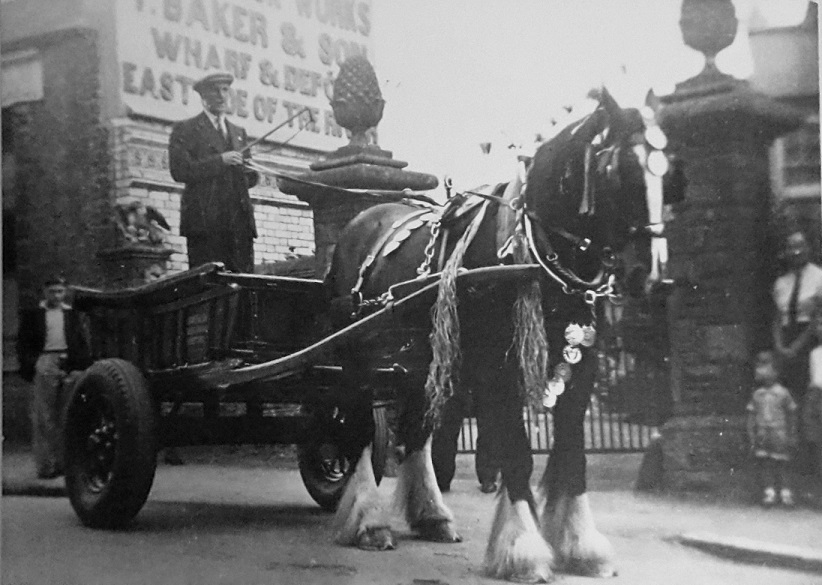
{"x":217,"y":121}
{"x":62,"y":306}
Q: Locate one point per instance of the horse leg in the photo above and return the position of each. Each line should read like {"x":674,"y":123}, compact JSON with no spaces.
{"x":418,"y":497}
{"x":516,"y":550}
{"x":567,"y":520}
{"x":362,"y":518}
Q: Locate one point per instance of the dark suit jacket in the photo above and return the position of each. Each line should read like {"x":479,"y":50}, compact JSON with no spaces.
{"x":32,"y":339}
{"x":216,"y":195}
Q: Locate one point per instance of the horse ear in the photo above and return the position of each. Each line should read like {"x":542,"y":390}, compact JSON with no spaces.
{"x":617,"y":119}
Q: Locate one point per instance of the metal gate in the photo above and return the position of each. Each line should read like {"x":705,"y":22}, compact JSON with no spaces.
{"x":630,"y":402}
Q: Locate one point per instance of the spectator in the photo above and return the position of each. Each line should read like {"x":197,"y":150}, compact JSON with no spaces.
{"x":444,"y":446}
{"x":51,"y":347}
{"x":206,"y":153}
{"x":811,"y":417}
{"x":794,"y":295}
{"x":771,"y":431}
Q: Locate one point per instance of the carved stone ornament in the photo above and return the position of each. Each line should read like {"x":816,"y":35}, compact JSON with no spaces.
{"x":139,"y":225}
{"x":708,"y":26}
{"x":357,"y":103}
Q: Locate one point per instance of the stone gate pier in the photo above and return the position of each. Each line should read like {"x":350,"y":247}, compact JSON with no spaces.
{"x":720,"y":257}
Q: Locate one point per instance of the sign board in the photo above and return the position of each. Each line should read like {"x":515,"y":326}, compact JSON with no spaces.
{"x":283,"y":54}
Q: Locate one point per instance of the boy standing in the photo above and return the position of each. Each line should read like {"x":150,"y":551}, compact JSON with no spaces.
{"x":772,"y":431}
{"x":51,"y":344}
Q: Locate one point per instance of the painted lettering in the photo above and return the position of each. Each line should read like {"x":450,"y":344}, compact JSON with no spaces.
{"x":238,"y":16}
{"x":167,"y":86}
{"x":128,"y":77}
{"x":291,"y":43}
{"x":343,"y":14}
{"x":304,"y":7}
{"x":185,"y":85}
{"x":332,"y":50}
{"x":331,"y":126}
{"x":364,"y":12}
{"x":240,"y":99}
{"x":307,"y":120}
{"x":212,"y":59}
{"x":166,"y":45}
{"x":264,"y":108}
{"x":301,"y":80}
{"x":237,"y":63}
{"x":259,"y":30}
{"x":268,"y":74}
{"x":147,"y":84}
{"x":219,"y":17}
{"x":173,"y":10}
{"x":194,"y":53}
{"x":197,"y":13}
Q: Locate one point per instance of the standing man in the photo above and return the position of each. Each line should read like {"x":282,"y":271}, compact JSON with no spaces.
{"x":216,"y":214}
{"x":51,"y":347}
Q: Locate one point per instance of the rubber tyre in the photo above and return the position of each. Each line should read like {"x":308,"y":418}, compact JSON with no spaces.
{"x":111,"y":444}
{"x":325,"y":471}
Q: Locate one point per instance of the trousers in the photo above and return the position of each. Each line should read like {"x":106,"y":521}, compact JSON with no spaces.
{"x":233,"y":248}
{"x":46,"y":410}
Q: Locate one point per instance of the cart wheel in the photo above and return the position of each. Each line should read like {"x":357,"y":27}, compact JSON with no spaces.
{"x":325,"y":470}
{"x":111,"y":444}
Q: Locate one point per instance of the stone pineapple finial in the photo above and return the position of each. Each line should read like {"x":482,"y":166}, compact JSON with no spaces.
{"x":357,"y":103}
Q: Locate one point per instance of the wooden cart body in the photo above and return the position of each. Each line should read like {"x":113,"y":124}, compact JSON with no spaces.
{"x":213,"y":357}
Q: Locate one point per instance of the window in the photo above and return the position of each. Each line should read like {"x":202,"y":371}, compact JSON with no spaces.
{"x":796,"y":162}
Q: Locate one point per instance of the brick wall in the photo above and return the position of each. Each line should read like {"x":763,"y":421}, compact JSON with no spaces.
{"x":64,"y":182}
{"x":284,"y":223}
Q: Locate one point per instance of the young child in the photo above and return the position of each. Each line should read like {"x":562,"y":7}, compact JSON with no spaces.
{"x":812,"y":403}
{"x":772,"y":431}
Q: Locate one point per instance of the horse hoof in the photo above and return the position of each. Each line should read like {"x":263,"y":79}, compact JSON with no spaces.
{"x":437,"y":531}
{"x":536,"y":577}
{"x":591,"y":568}
{"x":379,"y":538}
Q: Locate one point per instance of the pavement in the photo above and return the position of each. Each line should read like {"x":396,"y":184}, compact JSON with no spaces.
{"x":741,"y":531}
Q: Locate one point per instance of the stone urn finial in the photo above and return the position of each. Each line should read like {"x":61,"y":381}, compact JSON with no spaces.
{"x":357,"y":101}
{"x":709,"y":26}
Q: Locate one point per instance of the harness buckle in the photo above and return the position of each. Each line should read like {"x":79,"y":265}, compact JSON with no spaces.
{"x":590,"y":297}
{"x":585,"y":244}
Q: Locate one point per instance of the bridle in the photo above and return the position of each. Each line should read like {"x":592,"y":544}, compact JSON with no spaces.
{"x":537,"y":235}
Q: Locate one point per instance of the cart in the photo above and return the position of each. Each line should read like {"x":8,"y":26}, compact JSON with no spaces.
{"x":209,"y":356}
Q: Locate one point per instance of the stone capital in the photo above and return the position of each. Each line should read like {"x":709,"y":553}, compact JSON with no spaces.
{"x":706,"y":111}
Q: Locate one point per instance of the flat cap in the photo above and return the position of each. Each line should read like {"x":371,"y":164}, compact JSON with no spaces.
{"x":213,"y":79}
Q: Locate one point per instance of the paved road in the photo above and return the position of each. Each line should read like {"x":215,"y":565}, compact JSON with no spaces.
{"x":212,"y":524}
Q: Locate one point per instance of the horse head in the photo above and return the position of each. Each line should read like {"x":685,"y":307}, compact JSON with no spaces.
{"x":592,"y":188}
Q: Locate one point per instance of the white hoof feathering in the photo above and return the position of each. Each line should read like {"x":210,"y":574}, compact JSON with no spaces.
{"x":417,"y":496}
{"x":580,"y":547}
{"x":361,"y":509}
{"x":516,"y":550}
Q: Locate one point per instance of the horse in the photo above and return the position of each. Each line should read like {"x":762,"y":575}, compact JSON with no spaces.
{"x":583,"y":198}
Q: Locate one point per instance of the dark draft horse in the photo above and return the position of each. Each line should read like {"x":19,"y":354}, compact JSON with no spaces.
{"x":583,"y":198}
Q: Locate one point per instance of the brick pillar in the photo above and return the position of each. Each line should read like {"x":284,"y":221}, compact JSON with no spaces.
{"x":720,"y":258}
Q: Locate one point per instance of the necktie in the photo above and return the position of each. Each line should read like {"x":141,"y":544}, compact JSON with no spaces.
{"x":794,"y":300}
{"x":221,"y":128}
